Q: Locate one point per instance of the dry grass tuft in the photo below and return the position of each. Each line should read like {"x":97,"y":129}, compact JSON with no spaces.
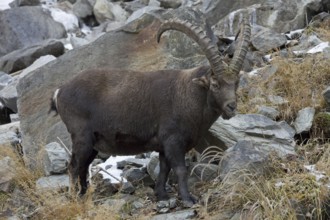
{"x":26,"y":200}
{"x":324,"y":162}
{"x":276,"y":196}
{"x":300,"y":82}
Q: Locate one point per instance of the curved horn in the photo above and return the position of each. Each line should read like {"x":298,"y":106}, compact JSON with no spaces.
{"x":243,"y":43}
{"x":196,"y":33}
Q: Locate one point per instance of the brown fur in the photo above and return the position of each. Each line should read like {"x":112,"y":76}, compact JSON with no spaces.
{"x":121,"y":112}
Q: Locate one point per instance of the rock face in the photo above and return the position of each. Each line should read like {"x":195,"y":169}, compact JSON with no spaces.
{"x":265,"y":39}
{"x":25,"y":26}
{"x":22,"y":58}
{"x":242,"y":156}
{"x":264,"y":132}
{"x":281,"y":16}
{"x":138,"y":51}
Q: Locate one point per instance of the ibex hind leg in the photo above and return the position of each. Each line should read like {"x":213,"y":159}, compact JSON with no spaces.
{"x":164,"y":169}
{"x":82,"y":156}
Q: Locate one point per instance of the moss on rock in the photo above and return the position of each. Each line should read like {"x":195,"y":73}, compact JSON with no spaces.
{"x":321,"y":125}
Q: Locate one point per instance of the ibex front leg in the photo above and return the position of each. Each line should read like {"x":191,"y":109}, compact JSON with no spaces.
{"x":174,"y":149}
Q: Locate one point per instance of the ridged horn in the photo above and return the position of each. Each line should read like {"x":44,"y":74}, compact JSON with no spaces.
{"x":196,"y":33}
{"x":242,"y":47}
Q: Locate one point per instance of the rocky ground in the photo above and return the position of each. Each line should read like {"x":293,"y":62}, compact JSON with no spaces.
{"x":268,"y":162}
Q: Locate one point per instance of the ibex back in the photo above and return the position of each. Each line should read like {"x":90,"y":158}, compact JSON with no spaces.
{"x":122,"y":112}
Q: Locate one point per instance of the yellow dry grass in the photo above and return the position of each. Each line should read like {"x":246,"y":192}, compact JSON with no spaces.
{"x":48,"y":204}
{"x":278,"y":196}
{"x":300,"y":82}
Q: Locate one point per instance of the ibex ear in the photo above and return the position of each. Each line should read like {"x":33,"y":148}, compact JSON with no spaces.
{"x":202,"y":81}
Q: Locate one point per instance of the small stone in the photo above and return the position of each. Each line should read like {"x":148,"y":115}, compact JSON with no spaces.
{"x":153,"y":167}
{"x":133,"y":162}
{"x":205,"y":171}
{"x":134,"y":175}
{"x":127,"y":188}
{"x":326,"y":95}
{"x":163,"y":206}
{"x":137,"y":204}
{"x":304,"y":120}
{"x":56,"y":159}
{"x":268,"y":112}
{"x":277,"y":100}
{"x":182,"y":215}
{"x":53,"y":182}
{"x":7,"y":173}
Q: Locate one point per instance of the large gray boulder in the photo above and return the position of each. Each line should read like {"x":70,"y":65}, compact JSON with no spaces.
{"x":20,"y":3}
{"x":8,"y":94}
{"x":265,"y":39}
{"x":22,"y":58}
{"x":269,"y":135}
{"x":25,"y":26}
{"x":82,"y":8}
{"x":137,"y":51}
{"x":281,"y":16}
{"x":244,"y":155}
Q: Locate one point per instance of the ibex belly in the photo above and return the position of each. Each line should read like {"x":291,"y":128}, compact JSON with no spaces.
{"x":125,"y":144}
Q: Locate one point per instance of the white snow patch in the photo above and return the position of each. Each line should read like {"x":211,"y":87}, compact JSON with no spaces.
{"x":311,"y":168}
{"x":4,"y":4}
{"x":69,"y":21}
{"x":319,"y":48}
{"x":86,"y":29}
{"x":68,"y":46}
{"x":113,"y":170}
{"x":268,"y":57}
{"x":253,"y":72}
{"x":279,"y":184}
{"x":318,"y":174}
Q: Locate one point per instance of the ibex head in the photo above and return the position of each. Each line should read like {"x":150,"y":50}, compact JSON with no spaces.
{"x":222,"y":80}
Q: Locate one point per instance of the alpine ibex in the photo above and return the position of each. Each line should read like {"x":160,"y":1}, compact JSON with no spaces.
{"x":121,"y":112}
